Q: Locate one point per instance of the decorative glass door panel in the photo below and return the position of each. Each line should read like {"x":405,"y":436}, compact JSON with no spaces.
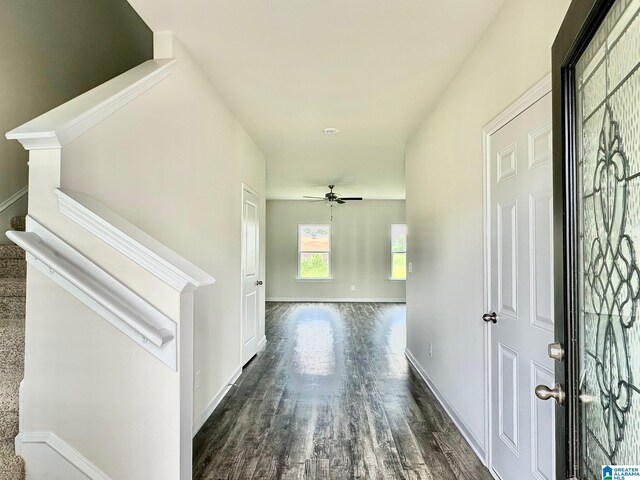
{"x":607,"y":123}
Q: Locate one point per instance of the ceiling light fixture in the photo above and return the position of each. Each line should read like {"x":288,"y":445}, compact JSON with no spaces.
{"x":331,"y":131}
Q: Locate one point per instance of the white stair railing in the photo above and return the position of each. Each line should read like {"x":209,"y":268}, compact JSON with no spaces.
{"x":98,"y":290}
{"x":130,"y":279}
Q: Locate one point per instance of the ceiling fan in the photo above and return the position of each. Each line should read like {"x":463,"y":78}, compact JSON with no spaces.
{"x":330,"y":198}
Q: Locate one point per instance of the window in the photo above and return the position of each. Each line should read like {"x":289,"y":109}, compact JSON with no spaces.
{"x":314,"y":251}
{"x":399,"y":251}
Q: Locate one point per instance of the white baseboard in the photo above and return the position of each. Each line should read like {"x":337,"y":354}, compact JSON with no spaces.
{"x":14,"y":198}
{"x":333,"y":300}
{"x":476,"y":445}
{"x":200,"y":420}
{"x":49,"y":457}
{"x":262,"y":343}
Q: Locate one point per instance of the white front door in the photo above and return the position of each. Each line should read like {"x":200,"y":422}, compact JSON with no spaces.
{"x":251,"y":282}
{"x":521,"y":294}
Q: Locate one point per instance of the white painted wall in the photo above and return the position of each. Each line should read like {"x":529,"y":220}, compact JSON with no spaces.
{"x":444,"y":203}
{"x":361,"y":251}
{"x":172,"y":162}
{"x":177,"y":173}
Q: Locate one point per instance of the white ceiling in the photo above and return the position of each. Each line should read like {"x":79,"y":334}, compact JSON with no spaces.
{"x":289,"y":68}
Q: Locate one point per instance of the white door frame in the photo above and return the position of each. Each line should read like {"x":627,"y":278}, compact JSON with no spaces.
{"x":253,"y":191}
{"x":539,"y":90}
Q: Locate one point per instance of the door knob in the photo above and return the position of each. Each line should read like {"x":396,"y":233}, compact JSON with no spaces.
{"x":545,"y":393}
{"x":259,"y":282}
{"x":490,"y":317}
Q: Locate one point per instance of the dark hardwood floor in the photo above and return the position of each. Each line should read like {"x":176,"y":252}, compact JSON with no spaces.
{"x":332,"y":397}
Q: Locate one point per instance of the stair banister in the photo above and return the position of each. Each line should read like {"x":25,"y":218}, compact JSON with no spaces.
{"x":33,"y":244}
{"x":159,"y":307}
{"x":77,"y":274}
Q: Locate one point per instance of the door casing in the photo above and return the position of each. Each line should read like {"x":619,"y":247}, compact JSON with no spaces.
{"x":537,"y":92}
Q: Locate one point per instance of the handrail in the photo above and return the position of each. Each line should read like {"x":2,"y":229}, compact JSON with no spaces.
{"x":33,"y":244}
{"x":115,"y":302}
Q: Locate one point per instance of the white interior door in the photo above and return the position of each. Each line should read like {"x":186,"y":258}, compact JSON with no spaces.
{"x":251,"y":282}
{"x":521,"y":294}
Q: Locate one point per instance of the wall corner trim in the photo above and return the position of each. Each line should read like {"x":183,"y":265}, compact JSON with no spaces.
{"x":64,"y":454}
{"x":65,"y":123}
{"x":200,"y":420}
{"x":464,"y":429}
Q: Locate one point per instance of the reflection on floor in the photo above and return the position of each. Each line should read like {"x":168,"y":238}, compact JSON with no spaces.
{"x":332,"y":397}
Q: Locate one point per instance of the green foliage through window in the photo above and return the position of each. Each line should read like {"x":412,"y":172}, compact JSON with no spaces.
{"x":314,"y":250}
{"x":399,"y":266}
{"x":314,"y":265}
{"x":399,"y":251}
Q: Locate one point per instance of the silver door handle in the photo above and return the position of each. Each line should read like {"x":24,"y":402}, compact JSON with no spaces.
{"x":545,"y":393}
{"x":490,"y":317}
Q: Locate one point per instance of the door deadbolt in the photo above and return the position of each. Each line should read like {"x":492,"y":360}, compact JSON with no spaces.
{"x":490,"y":317}
{"x":545,"y":393}
{"x":556,"y":351}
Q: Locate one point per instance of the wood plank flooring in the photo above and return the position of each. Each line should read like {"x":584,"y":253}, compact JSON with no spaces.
{"x":332,"y":397}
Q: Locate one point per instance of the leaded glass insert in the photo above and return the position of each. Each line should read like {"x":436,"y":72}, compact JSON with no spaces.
{"x":608,"y":132}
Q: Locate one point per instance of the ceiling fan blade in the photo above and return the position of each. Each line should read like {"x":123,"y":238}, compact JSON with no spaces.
{"x":317,"y":198}
{"x":350,"y":198}
{"x":314,"y":201}
{"x":340,"y":201}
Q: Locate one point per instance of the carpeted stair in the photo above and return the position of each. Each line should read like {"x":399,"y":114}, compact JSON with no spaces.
{"x":13,"y":272}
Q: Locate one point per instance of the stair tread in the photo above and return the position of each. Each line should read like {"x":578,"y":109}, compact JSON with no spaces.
{"x":11,"y":251}
{"x":18,"y":223}
{"x":9,"y":386}
{"x":11,"y":349}
{"x":13,"y":287}
{"x":12,"y":328}
{"x":9,"y":425}
{"x":12,"y":306}
{"x":11,"y":465}
{"x":13,"y":268}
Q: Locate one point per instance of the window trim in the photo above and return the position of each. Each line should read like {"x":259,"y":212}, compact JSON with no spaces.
{"x":328,"y":252}
{"x":391,"y":253}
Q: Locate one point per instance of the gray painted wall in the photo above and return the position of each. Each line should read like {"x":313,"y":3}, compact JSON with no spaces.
{"x":444,"y":170}
{"x":52,"y":51}
{"x":361,"y":254}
